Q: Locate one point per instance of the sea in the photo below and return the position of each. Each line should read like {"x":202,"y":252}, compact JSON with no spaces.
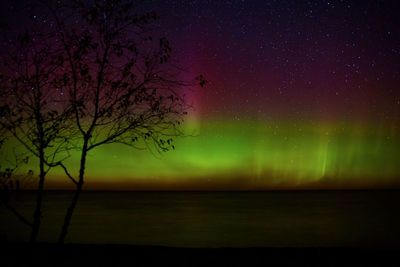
{"x":215,"y":219}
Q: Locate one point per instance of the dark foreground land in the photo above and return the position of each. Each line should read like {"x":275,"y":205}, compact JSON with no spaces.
{"x":19,"y":254}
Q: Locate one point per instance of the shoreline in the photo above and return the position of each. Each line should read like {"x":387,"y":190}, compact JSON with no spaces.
{"x":71,"y":254}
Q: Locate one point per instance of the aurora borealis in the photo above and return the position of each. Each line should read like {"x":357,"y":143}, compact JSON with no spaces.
{"x":301,"y":94}
{"x":251,"y":156}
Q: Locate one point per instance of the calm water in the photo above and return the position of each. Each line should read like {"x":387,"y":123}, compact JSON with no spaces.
{"x":219,"y":219}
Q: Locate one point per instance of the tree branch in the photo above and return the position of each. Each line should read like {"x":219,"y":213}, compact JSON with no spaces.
{"x":18,"y":215}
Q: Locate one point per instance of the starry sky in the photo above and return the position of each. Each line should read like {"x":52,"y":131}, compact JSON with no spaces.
{"x":300,"y":95}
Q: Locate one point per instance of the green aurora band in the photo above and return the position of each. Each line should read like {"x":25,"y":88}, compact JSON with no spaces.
{"x":252,"y":155}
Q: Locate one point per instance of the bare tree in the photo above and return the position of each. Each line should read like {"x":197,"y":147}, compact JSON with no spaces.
{"x":120,"y":83}
{"x":31,"y":109}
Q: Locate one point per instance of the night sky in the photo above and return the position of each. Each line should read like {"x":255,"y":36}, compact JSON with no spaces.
{"x":300,"y":94}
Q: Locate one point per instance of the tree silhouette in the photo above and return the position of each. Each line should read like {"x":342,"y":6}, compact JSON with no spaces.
{"x":12,"y":181}
{"x":119,"y":81}
{"x":30,"y":109}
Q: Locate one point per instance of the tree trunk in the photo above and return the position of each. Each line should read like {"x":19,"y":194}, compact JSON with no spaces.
{"x":37,"y":215}
{"x":68,"y":215}
{"x":71,"y":208}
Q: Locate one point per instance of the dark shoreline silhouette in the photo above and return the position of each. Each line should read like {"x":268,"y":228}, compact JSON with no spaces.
{"x":219,"y":219}
{"x":46,"y":254}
